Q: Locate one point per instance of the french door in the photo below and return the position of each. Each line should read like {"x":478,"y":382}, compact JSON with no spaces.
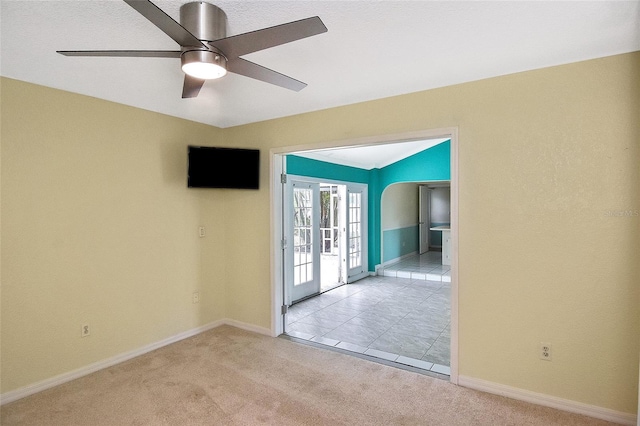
{"x":353,"y":232}
{"x":354,"y":229}
{"x":302,"y":240}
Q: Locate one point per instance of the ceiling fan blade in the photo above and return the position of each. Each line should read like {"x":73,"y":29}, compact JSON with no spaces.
{"x":165,"y":22}
{"x":191,"y":87}
{"x":253,"y":41}
{"x":123,"y":53}
{"x":253,"y":70}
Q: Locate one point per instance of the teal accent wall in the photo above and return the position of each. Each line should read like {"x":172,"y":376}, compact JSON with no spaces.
{"x":398,"y":242}
{"x":319,"y":169}
{"x":433,"y":164}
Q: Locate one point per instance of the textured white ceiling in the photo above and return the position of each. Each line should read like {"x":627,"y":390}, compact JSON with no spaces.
{"x":373,"y":49}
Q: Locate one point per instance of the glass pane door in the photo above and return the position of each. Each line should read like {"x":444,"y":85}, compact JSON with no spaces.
{"x":302,"y":235}
{"x":356,"y":228}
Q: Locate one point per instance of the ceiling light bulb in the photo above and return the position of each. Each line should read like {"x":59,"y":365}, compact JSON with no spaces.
{"x":204,"y":64}
{"x":204,"y":70}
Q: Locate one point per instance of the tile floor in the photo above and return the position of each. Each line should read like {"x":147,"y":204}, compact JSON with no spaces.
{"x":404,"y":320}
{"x":427,"y":266}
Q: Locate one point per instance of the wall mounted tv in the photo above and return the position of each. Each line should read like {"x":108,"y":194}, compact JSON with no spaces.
{"x":211,"y":167}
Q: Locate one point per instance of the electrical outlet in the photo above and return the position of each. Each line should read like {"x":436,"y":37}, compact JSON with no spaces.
{"x":202,"y":231}
{"x":195,"y":297}
{"x":545,"y":351}
{"x":85,"y":330}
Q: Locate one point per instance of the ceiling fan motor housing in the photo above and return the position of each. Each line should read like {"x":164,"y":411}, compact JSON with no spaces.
{"x":204,"y":20}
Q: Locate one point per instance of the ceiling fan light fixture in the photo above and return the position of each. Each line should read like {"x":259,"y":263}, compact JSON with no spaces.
{"x":204,"y":64}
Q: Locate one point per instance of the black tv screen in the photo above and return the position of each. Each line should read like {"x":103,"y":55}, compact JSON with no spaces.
{"x":211,"y":167}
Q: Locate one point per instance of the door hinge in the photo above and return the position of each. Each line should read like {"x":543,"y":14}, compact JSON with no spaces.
{"x":283,"y":178}
{"x":285,"y":309}
{"x":283,"y":243}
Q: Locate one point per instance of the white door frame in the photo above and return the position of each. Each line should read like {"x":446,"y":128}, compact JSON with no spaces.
{"x":277,"y":165}
{"x":424,"y":218}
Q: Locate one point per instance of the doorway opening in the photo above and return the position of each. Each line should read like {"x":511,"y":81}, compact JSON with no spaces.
{"x":432,"y":200}
{"x":280,"y":298}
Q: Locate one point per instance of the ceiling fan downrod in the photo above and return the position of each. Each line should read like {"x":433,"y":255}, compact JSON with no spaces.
{"x":204,"y":20}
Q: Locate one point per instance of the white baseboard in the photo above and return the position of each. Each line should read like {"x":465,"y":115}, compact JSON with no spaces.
{"x":34,"y":388}
{"x":548,"y":401}
{"x":469,"y":382}
{"x":248,"y":327}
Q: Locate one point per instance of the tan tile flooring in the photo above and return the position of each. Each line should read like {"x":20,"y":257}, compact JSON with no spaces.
{"x":402,"y":320}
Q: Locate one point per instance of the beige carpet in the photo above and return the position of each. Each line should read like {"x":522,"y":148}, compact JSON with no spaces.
{"x":228,"y":376}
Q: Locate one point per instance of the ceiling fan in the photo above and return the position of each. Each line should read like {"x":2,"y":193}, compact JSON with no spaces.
{"x":206,"y":51}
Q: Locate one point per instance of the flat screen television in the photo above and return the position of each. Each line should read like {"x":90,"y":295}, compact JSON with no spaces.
{"x":211,"y":167}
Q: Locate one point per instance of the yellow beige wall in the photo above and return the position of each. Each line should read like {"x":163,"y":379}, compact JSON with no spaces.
{"x":547,"y":158}
{"x":97,"y":225}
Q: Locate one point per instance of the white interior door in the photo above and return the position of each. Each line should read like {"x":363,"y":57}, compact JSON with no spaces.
{"x":355,"y":228}
{"x":424,"y":218}
{"x":302,"y":240}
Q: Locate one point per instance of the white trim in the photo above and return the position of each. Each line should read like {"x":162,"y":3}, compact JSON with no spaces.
{"x":278,"y":165}
{"x":370,"y":140}
{"x":247,"y":327}
{"x":453,"y":185}
{"x":548,"y":401}
{"x":60,"y":379}
{"x":276,"y":160}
